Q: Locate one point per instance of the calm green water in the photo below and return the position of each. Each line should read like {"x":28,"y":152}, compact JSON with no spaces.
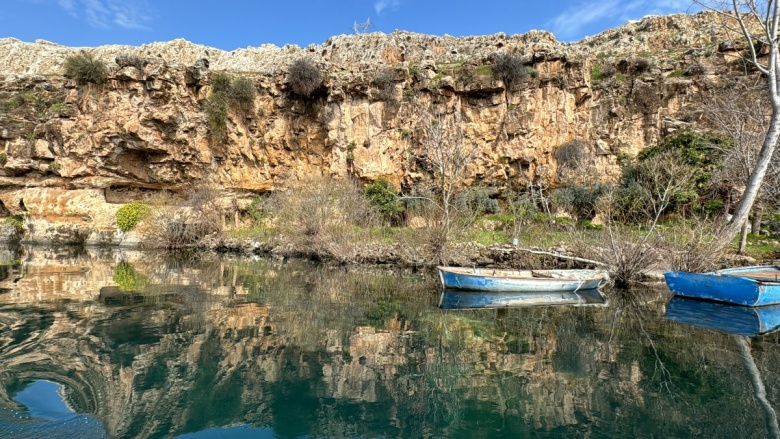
{"x":130,"y":344}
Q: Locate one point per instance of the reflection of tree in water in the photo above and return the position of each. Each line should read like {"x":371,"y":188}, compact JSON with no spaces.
{"x":323,"y":351}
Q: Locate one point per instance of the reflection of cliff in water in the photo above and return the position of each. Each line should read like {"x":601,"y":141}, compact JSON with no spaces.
{"x":165,"y":346}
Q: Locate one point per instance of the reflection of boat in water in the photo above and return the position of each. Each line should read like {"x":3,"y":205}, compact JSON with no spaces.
{"x":732,"y":319}
{"x":748,"y":286}
{"x":495,"y":280}
{"x":462,"y":299}
{"x":741,"y":322}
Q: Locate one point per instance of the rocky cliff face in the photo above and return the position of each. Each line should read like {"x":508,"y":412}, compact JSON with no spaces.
{"x":74,"y":154}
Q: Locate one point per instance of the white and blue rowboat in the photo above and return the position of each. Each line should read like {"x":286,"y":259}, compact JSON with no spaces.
{"x":495,"y":280}
{"x":746,"y":286}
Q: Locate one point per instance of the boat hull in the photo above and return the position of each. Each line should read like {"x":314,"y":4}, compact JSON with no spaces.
{"x":489,"y":280}
{"x":462,"y":299}
{"x":735,"y":286}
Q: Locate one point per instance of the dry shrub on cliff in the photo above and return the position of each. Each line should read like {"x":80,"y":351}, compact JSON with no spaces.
{"x":641,"y":65}
{"x":646,"y":97}
{"x":186,"y":225}
{"x":242,"y":94}
{"x":127,"y":60}
{"x":384,"y":81}
{"x":228,"y":93}
{"x":510,"y":69}
{"x":571,"y":154}
{"x":216,"y":112}
{"x":324,"y":215}
{"x":304,"y":77}
{"x":85,"y":69}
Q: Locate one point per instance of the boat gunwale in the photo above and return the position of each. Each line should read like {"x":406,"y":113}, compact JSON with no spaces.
{"x":742,"y":272}
{"x":526,"y":275}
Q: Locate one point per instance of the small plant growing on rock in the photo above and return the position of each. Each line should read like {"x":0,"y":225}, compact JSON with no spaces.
{"x":129,"y":215}
{"x":383,"y":81}
{"x":226,"y":92}
{"x":304,"y":77}
{"x":570,"y":154}
{"x":216,"y":112}
{"x":16,"y":221}
{"x":85,"y":69}
{"x":127,"y":60}
{"x":641,"y":65}
{"x":596,"y":75}
{"x":59,"y":109}
{"x":510,"y":69}
{"x":3,"y":158}
{"x":242,"y":94}
{"x":695,"y":70}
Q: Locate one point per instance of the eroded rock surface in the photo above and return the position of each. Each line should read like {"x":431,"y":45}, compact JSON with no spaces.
{"x":74,"y":154}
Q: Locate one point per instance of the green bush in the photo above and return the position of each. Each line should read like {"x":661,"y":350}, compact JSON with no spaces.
{"x":129,"y":215}
{"x":383,"y":196}
{"x":596,"y":74}
{"x":226,"y":92}
{"x":703,"y":151}
{"x":8,"y":105}
{"x":17,"y":221}
{"x":85,"y":69}
{"x":257,"y":209}
{"x":477,"y":200}
{"x":242,"y":94}
{"x":580,"y":200}
{"x":304,"y":77}
{"x":216,"y":112}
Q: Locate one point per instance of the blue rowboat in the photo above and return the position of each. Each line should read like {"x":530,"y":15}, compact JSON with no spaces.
{"x":494,"y":280}
{"x":746,"y":286}
{"x":462,"y":299}
{"x":731,"y":319}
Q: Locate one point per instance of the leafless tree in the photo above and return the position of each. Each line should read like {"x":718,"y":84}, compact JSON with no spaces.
{"x":628,"y":251}
{"x":757,"y":21}
{"x":741,"y":112}
{"x":446,"y":155}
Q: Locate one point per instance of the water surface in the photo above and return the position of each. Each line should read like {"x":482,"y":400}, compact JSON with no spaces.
{"x":132,"y":344}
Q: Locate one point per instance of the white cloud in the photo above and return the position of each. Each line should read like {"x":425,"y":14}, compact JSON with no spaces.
{"x":68,"y":5}
{"x":608,"y":13}
{"x":381,"y":5}
{"x":107,"y":14}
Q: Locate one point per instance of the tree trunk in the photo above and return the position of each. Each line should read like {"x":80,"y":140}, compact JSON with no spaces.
{"x":758,"y":213}
{"x":743,"y":238}
{"x":754,"y":183}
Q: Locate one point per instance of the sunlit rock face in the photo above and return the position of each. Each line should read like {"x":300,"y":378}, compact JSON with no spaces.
{"x":146,"y":130}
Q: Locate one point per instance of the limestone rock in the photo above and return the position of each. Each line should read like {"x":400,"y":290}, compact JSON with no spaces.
{"x":69,"y":148}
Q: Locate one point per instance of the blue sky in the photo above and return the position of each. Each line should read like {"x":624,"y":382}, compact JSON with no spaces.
{"x":231,"y":24}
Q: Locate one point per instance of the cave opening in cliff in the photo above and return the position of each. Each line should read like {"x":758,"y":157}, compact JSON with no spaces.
{"x":4,"y":212}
